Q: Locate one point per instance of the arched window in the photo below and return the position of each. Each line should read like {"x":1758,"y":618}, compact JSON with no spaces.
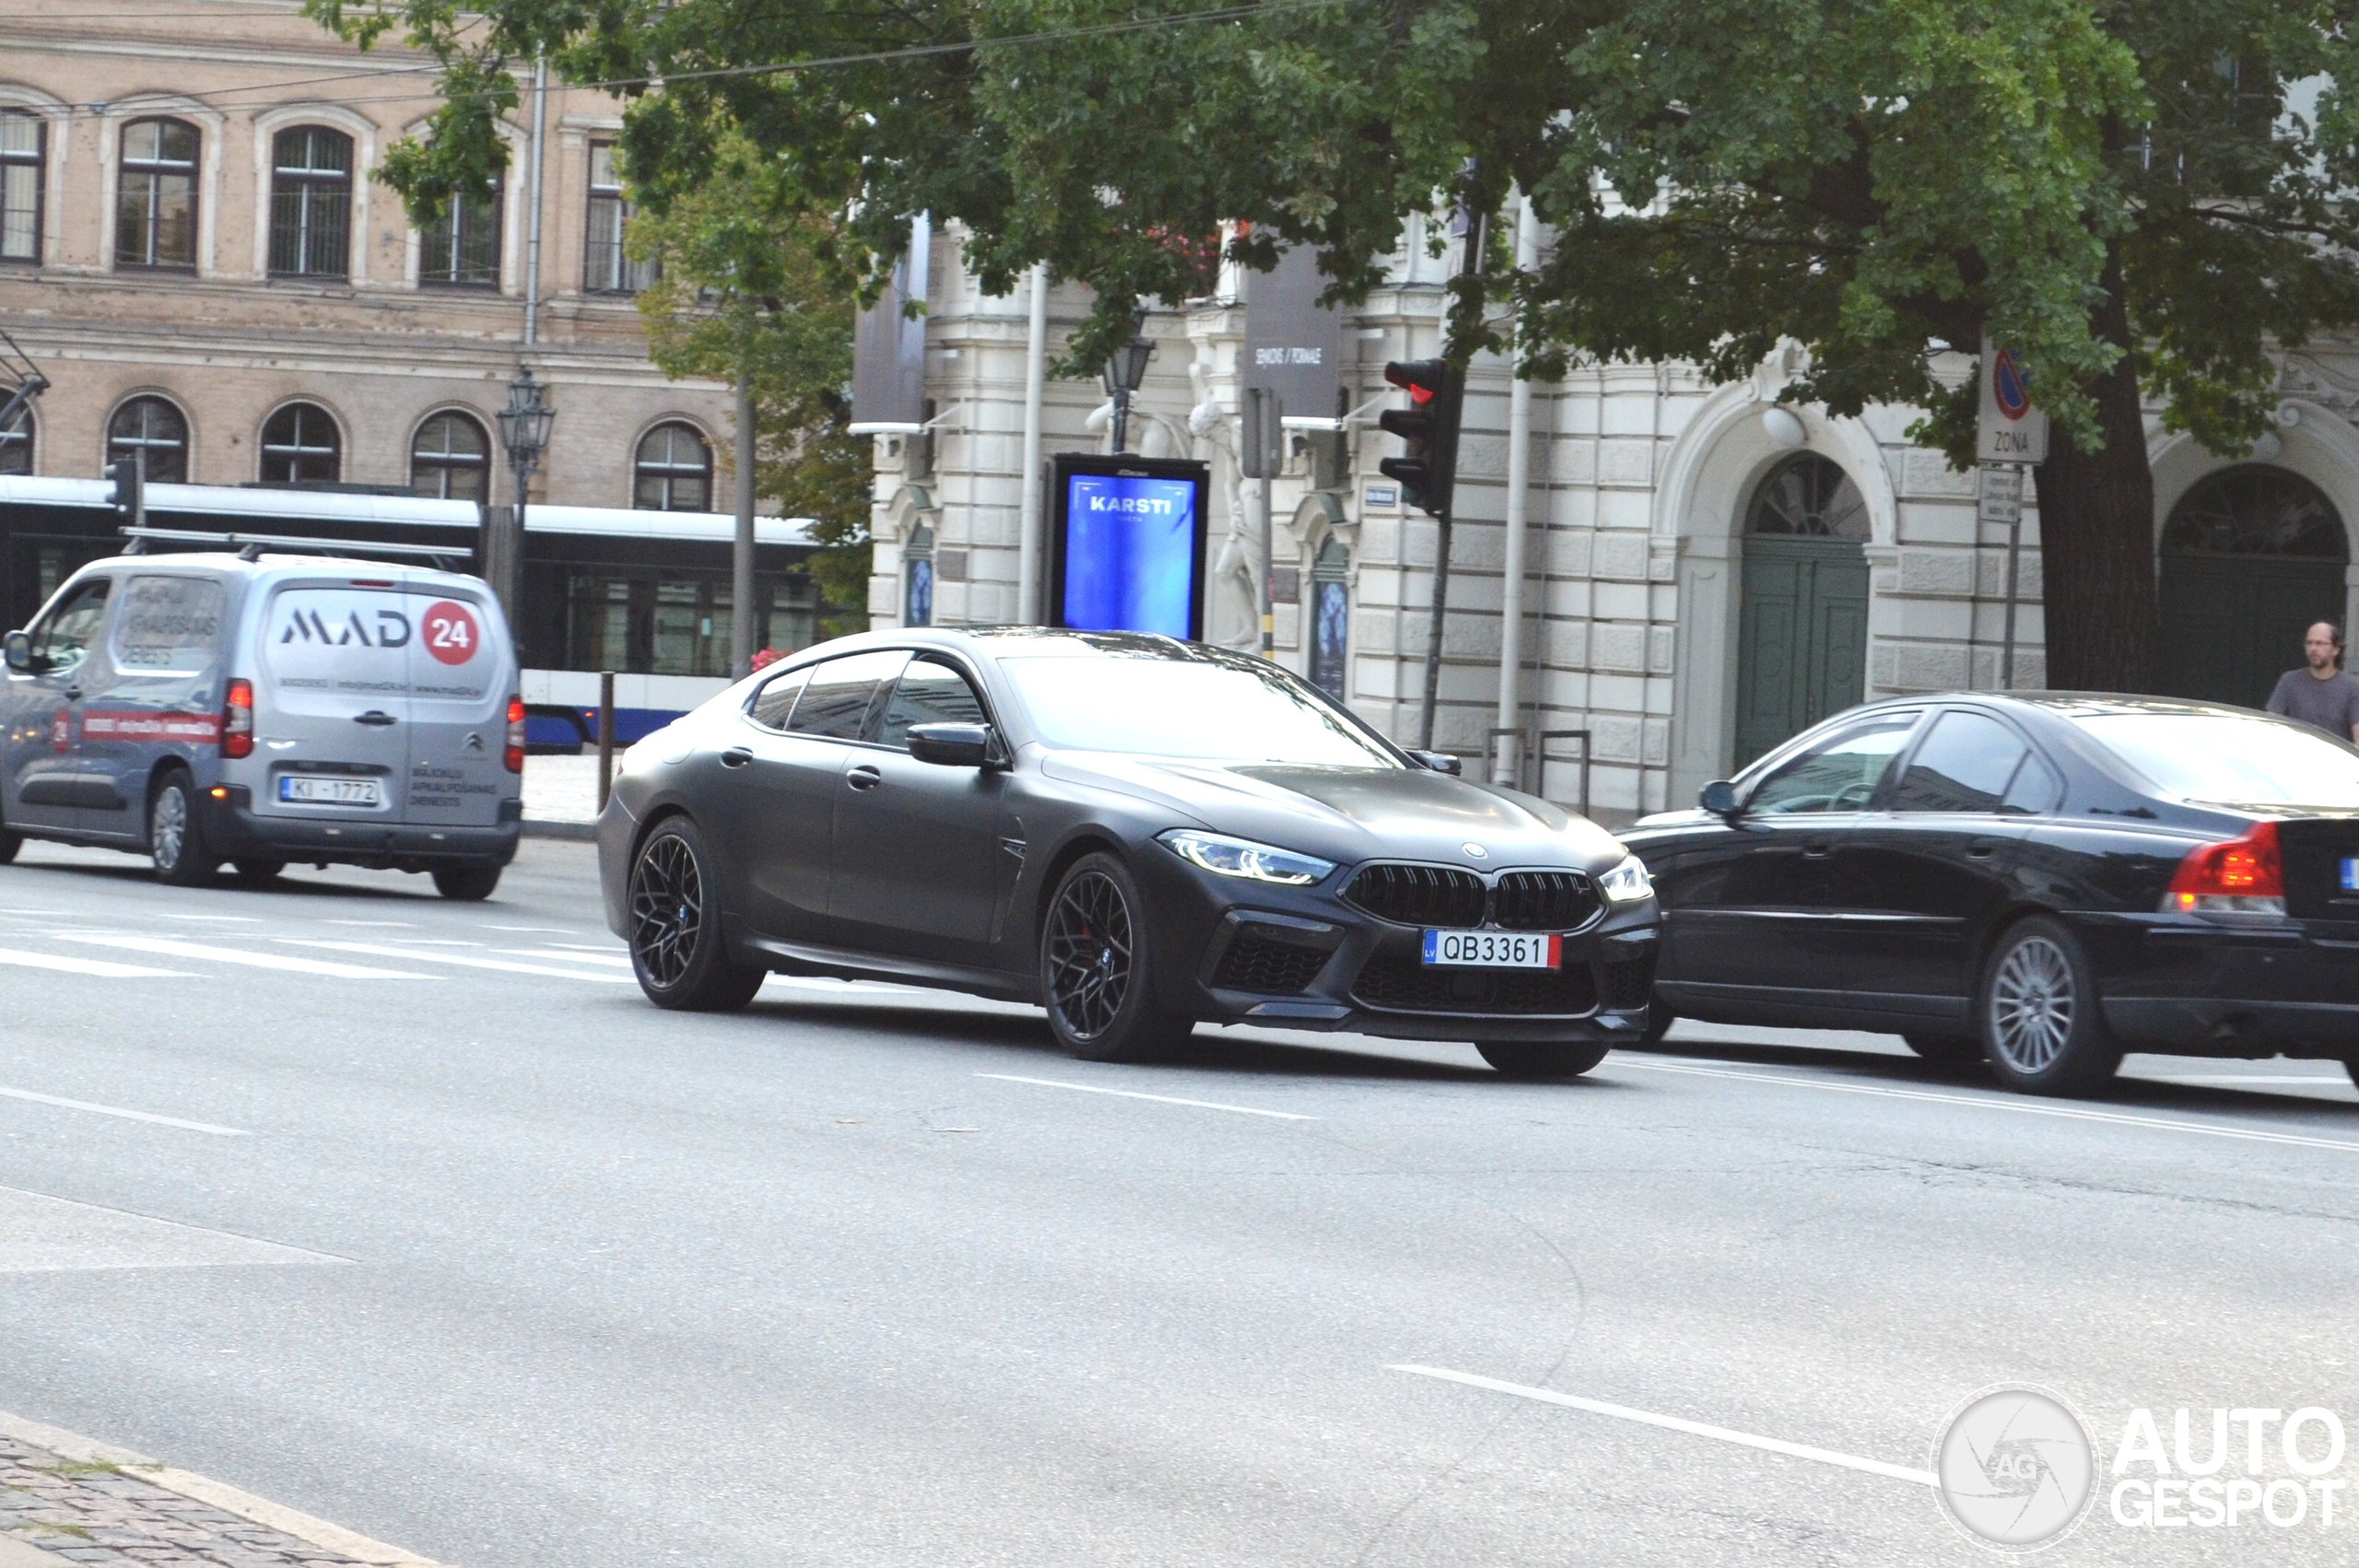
{"x":155,"y":207}
{"x":311,"y":203}
{"x":674,"y":471}
{"x":152,"y":431}
{"x":300,"y":445}
{"x":17,"y":443}
{"x":462,"y":248}
{"x":1810,"y":496}
{"x":24,"y":143}
{"x":450,"y":458}
{"x":2254,"y":511}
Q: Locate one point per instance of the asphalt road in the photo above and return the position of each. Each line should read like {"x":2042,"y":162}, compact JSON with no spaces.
{"x":505,"y":1266}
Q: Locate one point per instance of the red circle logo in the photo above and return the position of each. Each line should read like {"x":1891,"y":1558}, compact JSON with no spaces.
{"x":451,"y":635}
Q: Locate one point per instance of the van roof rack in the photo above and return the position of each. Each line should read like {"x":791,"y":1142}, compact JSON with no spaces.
{"x":250,"y":547}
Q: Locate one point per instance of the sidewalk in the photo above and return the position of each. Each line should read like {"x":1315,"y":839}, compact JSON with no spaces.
{"x":67,"y":1500}
{"x":561,"y":795}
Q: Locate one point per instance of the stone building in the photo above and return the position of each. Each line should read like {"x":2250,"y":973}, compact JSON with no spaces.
{"x":195,"y":250}
{"x":1706,"y":570}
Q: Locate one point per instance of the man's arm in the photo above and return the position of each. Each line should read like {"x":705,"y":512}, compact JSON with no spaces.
{"x":2277,"y":703}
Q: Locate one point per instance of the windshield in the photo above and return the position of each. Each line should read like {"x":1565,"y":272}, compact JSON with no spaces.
{"x":2218,"y":756}
{"x":1161,"y":706}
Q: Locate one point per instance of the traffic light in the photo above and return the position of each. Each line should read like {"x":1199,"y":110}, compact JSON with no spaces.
{"x":1427,"y":428}
{"x":127,"y":476}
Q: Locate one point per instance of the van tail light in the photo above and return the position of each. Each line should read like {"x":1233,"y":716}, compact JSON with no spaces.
{"x":515,"y":734}
{"x":2241,"y":876}
{"x":237,"y":719}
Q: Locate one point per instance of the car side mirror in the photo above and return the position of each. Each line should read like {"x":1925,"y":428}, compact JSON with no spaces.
{"x":952,"y":746}
{"x":1720,"y":799}
{"x":1440,"y":762}
{"x":21,"y":652}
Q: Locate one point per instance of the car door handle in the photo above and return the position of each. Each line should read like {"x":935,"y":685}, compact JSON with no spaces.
{"x":735,"y":756}
{"x":375,"y":718}
{"x":864,"y":778}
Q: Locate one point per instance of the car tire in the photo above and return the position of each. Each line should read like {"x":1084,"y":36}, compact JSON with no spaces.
{"x":1660,"y":1018}
{"x":677,"y":948}
{"x":175,"y":837}
{"x":9,"y":844}
{"x":2351,"y":1066}
{"x":1543,"y":1058}
{"x":1095,"y":976}
{"x":257,"y":874}
{"x":467,"y":884}
{"x":2042,"y":1023}
{"x":1946,"y":1051}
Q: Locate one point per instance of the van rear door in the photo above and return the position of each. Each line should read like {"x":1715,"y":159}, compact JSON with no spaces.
{"x":331,"y":704}
{"x":461,"y":677}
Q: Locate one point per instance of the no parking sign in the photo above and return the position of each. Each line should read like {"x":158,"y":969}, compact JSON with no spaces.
{"x":2010,"y":429}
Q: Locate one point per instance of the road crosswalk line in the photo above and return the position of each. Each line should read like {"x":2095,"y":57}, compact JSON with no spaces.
{"x":465,"y":960}
{"x":608,"y":957}
{"x":287,"y":961}
{"x":99,"y":966}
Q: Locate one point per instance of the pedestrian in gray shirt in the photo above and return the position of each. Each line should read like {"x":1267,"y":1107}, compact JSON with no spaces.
{"x":2321,"y":694}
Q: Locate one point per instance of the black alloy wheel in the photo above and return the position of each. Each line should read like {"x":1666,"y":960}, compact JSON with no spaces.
{"x":175,"y":837}
{"x":1946,"y":1051}
{"x":1542,"y":1058}
{"x":677,"y":946}
{"x":2042,"y":1026}
{"x":1093,"y":969}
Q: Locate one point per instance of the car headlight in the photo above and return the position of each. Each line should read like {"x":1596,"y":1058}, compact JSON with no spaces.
{"x":1242,"y":858}
{"x":1628,"y":882}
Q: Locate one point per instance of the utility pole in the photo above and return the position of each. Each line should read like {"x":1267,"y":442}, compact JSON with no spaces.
{"x":742,"y":643}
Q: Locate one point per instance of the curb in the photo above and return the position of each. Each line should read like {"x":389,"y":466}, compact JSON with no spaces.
{"x":80,"y":1450}
{"x":579,"y":832}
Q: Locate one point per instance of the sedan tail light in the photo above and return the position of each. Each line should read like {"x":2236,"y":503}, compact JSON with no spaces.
{"x":237,"y":719}
{"x":2241,"y":876}
{"x":515,"y":755}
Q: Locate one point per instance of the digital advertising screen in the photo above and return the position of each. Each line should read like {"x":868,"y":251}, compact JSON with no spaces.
{"x":1130,"y":546}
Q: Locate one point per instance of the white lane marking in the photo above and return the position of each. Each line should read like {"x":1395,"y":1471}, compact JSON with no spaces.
{"x":2020,"y":1106}
{"x":223,"y":919}
{"x":1675,"y":1423}
{"x":2341,"y":1078}
{"x":1133,"y":1094}
{"x":86,"y":966}
{"x":585,"y":947}
{"x":374,"y":951}
{"x":566,"y":957}
{"x":239,"y":955}
{"x":405,"y":925}
{"x":552,"y":931}
{"x":127,"y":1115}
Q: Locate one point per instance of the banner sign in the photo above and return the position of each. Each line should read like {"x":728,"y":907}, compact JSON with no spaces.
{"x":1127,"y":545}
{"x":888,"y":348}
{"x":1293,"y":346}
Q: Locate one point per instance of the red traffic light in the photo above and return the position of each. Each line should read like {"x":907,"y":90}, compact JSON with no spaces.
{"x":1423,"y":379}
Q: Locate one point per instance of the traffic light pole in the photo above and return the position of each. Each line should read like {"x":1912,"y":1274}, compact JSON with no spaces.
{"x":1478,"y":227}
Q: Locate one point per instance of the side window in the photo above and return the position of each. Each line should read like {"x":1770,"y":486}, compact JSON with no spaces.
{"x":168,"y":626}
{"x":1839,"y":774}
{"x":834,"y":705}
{"x":64,"y":634}
{"x":775,"y":699}
{"x":1964,"y":765}
{"x":928,"y":693}
{"x":2037,"y":791}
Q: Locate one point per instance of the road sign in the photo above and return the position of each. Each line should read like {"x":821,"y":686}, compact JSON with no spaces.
{"x":2010,"y":429}
{"x":2002,"y":498}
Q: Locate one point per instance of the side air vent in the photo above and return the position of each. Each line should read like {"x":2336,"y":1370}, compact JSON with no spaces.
{"x":1267,"y":968}
{"x":1419,"y":895}
{"x":1543,"y":901}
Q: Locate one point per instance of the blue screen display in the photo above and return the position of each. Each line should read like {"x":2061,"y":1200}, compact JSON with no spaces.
{"x":1130,"y":554}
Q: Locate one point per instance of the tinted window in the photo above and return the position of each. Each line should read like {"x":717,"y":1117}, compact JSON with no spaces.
{"x":834,"y":705}
{"x":775,"y":700}
{"x":1839,"y":774}
{"x":65,"y":634}
{"x":928,"y":693}
{"x":2036,"y":792}
{"x":1154,"y":704}
{"x":2236,"y":761}
{"x":1964,"y":765}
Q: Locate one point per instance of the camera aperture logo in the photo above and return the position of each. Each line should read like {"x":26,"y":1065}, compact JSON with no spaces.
{"x":2016,"y":1469}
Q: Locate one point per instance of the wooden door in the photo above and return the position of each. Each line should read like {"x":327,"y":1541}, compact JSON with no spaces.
{"x":1802,"y":637}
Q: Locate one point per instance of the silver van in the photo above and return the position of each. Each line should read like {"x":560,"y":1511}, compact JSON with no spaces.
{"x":262,"y":710}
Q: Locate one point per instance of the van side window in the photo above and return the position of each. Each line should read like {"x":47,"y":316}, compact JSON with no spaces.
{"x":775,"y":700}
{"x":64,"y":637}
{"x":168,"y":625}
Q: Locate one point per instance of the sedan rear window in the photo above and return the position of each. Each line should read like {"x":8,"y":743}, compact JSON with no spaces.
{"x":2235,"y":761}
{"x":1159,"y":707}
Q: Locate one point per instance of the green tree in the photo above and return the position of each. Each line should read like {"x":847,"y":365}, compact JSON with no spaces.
{"x":2139,"y":196}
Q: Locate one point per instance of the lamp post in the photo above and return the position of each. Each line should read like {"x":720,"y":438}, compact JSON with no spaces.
{"x":1125,"y":370}
{"x":525,"y":433}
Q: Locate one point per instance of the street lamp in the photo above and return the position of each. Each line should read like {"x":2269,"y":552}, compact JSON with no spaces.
{"x":525,"y":433}
{"x":1125,"y":370}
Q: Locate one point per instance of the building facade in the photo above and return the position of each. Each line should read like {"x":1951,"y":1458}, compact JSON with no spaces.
{"x":1707,"y":570}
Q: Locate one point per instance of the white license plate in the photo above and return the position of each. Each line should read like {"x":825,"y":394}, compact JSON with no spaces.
{"x":308,"y":789}
{"x":1495,"y":950}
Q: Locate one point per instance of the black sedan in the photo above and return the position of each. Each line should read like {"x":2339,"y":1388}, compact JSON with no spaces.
{"x":2042,"y":881}
{"x":1136,"y":833}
